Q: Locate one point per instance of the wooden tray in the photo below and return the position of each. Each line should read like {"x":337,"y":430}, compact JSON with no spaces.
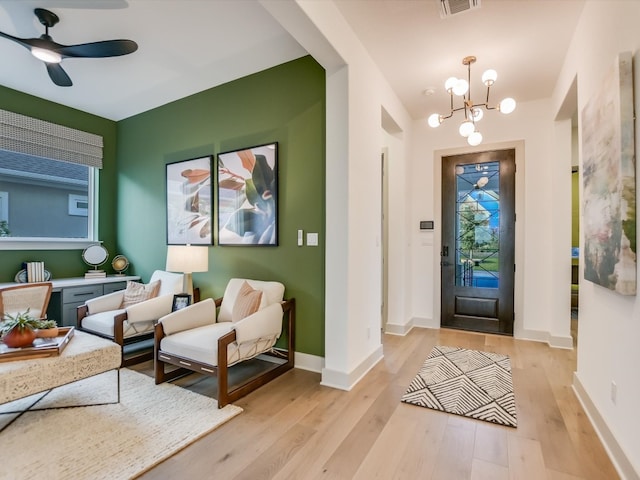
{"x":42,"y":347}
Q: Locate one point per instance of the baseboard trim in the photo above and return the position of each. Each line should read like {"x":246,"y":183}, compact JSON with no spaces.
{"x":415,"y":322}
{"x":397,"y":329}
{"x":312,"y":363}
{"x":616,"y":453}
{"x":346,"y":381}
{"x":545,"y":337}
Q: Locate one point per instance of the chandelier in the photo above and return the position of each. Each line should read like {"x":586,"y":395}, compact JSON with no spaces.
{"x":473,"y":112}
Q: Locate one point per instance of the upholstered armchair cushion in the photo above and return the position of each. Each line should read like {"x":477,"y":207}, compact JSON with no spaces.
{"x":103,"y":323}
{"x":170,"y":283}
{"x":273,"y":292}
{"x":105,"y":303}
{"x":262,"y":324}
{"x":137,"y":292}
{"x":196,"y":315}
{"x":198,"y":344}
{"x":149,"y":310}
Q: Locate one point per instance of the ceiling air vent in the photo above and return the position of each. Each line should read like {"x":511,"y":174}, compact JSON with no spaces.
{"x":453,"y":7}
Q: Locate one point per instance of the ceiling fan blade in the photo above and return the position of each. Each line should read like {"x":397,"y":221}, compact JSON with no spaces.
{"x":106,"y":48}
{"x":22,"y":41}
{"x":58,"y":75}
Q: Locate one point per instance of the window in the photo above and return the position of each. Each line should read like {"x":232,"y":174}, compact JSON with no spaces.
{"x":47,"y":198}
{"x":48,"y":175}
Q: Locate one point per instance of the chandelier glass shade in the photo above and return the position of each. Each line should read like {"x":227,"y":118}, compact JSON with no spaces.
{"x":473,"y":112}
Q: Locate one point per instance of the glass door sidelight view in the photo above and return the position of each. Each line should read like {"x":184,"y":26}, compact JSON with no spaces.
{"x":477,"y":257}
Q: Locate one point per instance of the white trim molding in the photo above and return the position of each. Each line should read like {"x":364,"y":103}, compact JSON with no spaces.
{"x":616,"y":453}
{"x":347,"y":380}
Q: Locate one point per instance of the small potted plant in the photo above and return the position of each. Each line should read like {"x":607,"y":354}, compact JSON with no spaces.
{"x":47,"y":329}
{"x":18,"y":330}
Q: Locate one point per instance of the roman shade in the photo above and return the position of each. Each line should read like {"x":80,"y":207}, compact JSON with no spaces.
{"x":31,"y":136}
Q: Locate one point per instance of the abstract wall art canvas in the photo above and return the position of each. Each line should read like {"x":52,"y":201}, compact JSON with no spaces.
{"x":189,"y":203}
{"x":248,"y":196}
{"x":609,"y":193}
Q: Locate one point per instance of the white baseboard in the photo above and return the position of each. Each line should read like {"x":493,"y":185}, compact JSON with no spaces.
{"x":420,"y":322}
{"x":312,"y":363}
{"x":545,"y":337}
{"x":347,"y":380}
{"x":616,"y":454}
{"x":397,"y":329}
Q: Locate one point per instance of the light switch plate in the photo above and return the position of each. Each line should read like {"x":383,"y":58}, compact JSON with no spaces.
{"x":300,"y":238}
{"x":312,"y":239}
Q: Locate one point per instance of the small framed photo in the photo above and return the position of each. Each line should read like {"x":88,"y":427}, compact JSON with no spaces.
{"x":180,"y":301}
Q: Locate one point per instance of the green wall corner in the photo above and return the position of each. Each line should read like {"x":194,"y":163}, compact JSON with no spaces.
{"x":284,"y":104}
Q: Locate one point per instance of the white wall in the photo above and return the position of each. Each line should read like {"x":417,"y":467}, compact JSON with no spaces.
{"x":356,"y":93}
{"x":398,"y":294}
{"x":609,"y":324}
{"x":543,"y":261}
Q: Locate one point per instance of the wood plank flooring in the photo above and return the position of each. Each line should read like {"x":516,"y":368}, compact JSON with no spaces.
{"x":293,"y":428}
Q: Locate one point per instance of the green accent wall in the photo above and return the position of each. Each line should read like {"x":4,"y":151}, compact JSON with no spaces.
{"x":66,"y":263}
{"x":285,"y":104}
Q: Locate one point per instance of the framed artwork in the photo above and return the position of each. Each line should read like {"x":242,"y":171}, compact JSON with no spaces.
{"x":609,"y":183}
{"x":189,"y":202}
{"x":248,"y":196}
{"x":180,"y":300}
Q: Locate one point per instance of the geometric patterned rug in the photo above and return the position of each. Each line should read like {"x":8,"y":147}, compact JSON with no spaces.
{"x":466,"y":382}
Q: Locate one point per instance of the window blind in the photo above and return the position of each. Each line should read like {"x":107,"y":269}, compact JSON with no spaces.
{"x":23,"y":134}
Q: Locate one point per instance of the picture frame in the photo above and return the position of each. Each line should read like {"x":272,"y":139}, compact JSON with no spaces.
{"x":248,"y":196}
{"x":189,"y":202}
{"x":180,"y":301}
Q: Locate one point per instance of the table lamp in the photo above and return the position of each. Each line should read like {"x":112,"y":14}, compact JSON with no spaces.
{"x":187,"y":259}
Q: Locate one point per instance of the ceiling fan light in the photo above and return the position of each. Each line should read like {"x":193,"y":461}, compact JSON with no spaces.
{"x":461,"y":87}
{"x":507,"y":105}
{"x":489,"y":77}
{"x":434,"y":120}
{"x":466,"y":128}
{"x":46,"y":55}
{"x":474,"y":139}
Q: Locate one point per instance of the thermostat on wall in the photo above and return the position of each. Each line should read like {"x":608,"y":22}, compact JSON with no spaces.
{"x":426,"y":225}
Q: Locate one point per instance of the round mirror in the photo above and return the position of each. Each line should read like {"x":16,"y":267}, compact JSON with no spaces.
{"x":95,"y":255}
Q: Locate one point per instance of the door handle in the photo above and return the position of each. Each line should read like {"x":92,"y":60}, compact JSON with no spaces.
{"x":445,"y":264}
{"x":445,"y":251}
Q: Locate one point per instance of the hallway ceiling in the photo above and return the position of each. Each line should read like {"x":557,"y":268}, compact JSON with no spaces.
{"x":187,"y":46}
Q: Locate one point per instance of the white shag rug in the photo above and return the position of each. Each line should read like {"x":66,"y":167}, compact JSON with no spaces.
{"x":117,"y":441}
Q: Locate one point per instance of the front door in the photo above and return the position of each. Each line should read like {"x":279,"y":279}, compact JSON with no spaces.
{"x":477,"y":257}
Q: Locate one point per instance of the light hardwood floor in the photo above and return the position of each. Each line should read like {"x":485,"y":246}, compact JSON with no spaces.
{"x":293,"y":428}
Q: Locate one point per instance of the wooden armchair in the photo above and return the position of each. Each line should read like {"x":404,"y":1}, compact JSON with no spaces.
{"x":32,"y":296}
{"x":108,"y":316}
{"x":199,"y":338}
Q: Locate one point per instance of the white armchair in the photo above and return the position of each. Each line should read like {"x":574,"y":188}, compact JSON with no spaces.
{"x":106,"y":316}
{"x":201,"y":339}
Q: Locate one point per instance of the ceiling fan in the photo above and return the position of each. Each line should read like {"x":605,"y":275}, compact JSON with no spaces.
{"x":52,"y":53}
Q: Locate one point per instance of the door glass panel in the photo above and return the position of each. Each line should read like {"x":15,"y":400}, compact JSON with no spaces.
{"x":477,"y":225}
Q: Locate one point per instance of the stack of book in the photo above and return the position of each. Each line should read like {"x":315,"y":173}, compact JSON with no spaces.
{"x":95,"y":274}
{"x":35,"y":271}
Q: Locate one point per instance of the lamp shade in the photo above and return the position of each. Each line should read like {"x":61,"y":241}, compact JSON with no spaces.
{"x":187,"y":259}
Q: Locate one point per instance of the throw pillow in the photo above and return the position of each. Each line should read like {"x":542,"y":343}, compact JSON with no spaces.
{"x":247,"y":302}
{"x":139,"y":292}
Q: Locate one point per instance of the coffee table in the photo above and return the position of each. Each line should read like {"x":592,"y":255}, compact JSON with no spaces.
{"x":86,"y":355}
